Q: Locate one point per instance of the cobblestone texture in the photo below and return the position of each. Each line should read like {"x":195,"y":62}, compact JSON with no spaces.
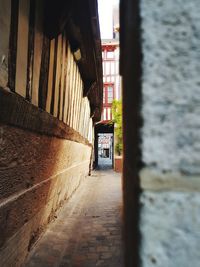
{"x":88,"y":230}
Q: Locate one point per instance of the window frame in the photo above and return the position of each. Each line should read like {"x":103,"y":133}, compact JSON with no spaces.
{"x":105,"y":94}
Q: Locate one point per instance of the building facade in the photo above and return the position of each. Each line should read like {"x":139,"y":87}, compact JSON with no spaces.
{"x":111,"y":92}
{"x":111,"y":78}
{"x":50,"y":98}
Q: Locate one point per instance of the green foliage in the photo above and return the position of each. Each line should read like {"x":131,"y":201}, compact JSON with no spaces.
{"x":117,"y":120}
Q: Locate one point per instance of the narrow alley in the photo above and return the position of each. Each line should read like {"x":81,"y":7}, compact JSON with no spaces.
{"x":91,"y":83}
{"x":87,"y":231}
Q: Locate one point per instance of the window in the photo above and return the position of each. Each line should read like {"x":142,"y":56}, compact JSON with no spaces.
{"x":110,"y":54}
{"x":108,"y":94}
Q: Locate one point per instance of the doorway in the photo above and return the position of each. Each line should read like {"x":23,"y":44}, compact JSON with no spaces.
{"x":104,"y":146}
{"x":105,"y":150}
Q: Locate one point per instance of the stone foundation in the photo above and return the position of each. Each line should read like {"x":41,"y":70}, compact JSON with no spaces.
{"x":37,"y":174}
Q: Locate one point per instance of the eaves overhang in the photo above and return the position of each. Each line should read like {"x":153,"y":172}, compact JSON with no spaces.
{"x":81,"y":22}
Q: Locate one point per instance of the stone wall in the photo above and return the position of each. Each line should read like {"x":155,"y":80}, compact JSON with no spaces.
{"x":37,"y":174}
{"x":170,"y":134}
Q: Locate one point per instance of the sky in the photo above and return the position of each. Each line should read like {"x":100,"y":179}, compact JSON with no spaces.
{"x":105,"y":17}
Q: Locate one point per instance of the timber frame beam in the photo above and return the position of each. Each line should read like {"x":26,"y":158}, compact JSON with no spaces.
{"x":16,"y":111}
{"x":80,"y":21}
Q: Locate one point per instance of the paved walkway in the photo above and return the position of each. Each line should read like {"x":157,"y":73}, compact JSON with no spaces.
{"x":87,"y":232}
{"x":106,"y":162}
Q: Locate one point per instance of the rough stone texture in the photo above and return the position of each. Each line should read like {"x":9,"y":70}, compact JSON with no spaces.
{"x":171,"y":133}
{"x":37,"y":173}
{"x":5,"y":9}
{"x":27,"y":159}
{"x":170,"y":226}
{"x":171,"y":83}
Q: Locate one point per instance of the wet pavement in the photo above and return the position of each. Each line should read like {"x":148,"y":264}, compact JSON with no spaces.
{"x":87,"y":232}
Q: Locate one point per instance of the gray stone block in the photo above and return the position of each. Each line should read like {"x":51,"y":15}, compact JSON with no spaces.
{"x":171,"y":84}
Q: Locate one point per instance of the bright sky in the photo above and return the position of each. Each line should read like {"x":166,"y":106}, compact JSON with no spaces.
{"x":105,"y":17}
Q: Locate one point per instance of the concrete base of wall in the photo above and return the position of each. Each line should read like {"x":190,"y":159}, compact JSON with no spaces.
{"x":37,"y":174}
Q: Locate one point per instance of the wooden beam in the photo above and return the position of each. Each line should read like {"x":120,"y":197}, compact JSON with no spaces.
{"x":37,"y":50}
{"x":75,"y":97}
{"x":50,"y":76}
{"x":31,"y":36}
{"x":58,"y":75}
{"x":22,"y":47}
{"x":79,"y":96}
{"x":88,"y":118}
{"x":81,"y":116}
{"x":16,"y":111}
{"x":44,"y":70}
{"x":84,"y":117}
{"x":66,"y":97}
{"x":65,"y":79}
{"x":63,"y":74}
{"x":12,"y":60}
{"x":70,"y":89}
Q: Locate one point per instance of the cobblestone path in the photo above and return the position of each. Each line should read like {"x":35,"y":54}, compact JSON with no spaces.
{"x":87,"y":232}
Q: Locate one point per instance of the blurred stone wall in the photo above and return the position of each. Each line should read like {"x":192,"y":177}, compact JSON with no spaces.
{"x":170,"y":202}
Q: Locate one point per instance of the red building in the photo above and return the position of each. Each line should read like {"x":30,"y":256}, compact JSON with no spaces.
{"x":111,"y":91}
{"x":111,"y":78}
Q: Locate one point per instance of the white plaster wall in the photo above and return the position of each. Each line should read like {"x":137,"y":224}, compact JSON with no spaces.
{"x":5,"y":9}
